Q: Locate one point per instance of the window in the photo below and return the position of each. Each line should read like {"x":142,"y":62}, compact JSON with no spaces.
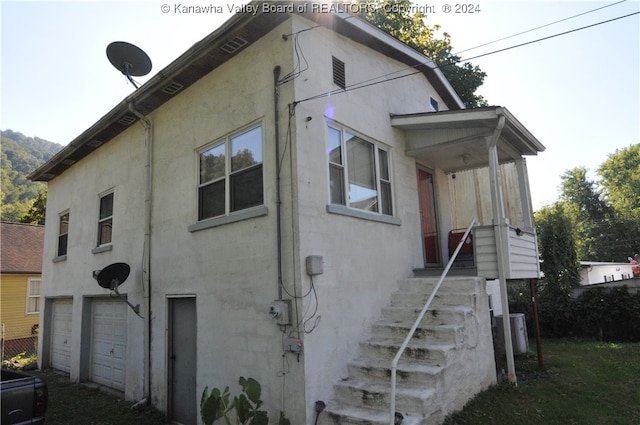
{"x":105,"y":220}
{"x":359,"y":175}
{"x":231,"y":175}
{"x":63,"y":234}
{"x":33,"y":296}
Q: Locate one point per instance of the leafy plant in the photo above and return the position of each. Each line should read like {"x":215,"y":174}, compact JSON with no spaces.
{"x":216,"y":405}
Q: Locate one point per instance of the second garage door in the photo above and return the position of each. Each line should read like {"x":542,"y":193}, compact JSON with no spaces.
{"x":109,"y":343}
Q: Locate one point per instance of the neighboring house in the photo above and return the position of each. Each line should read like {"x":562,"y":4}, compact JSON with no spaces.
{"x":20,"y":275}
{"x":274,"y":191}
{"x":592,"y":272}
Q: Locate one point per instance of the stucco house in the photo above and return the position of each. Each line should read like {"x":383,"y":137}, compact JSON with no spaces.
{"x":281,"y":192}
{"x":20,"y":276}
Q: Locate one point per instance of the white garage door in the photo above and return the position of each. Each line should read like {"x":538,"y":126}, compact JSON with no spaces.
{"x":61,"y":335}
{"x":109,"y":343}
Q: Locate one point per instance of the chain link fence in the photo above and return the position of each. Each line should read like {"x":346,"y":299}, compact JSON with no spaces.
{"x":19,"y":342}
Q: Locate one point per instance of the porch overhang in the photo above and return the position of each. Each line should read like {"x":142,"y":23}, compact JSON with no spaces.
{"x":459,"y":140}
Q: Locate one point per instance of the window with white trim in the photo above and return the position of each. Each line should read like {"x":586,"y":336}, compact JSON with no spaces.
{"x":33,"y":296}
{"x":230,"y":176}
{"x":63,"y":233}
{"x":105,"y":220}
{"x":359,"y":174}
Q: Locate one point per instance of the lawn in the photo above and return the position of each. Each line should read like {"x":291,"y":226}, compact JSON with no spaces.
{"x":583,"y":382}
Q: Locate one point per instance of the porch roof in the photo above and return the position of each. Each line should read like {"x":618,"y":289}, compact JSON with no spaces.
{"x":458,"y":140}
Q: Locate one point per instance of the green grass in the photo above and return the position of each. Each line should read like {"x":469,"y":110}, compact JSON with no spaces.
{"x":582,"y":382}
{"x":82,"y":405}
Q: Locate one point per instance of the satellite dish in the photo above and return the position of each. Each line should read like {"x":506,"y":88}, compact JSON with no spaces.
{"x":113,"y":276}
{"x":129,"y":59}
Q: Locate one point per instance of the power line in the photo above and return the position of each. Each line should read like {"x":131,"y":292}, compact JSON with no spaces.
{"x":361,"y":84}
{"x":537,"y":28}
{"x":552,"y":36}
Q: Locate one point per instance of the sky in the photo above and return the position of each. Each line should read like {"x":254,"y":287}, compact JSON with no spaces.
{"x":578,"y":93}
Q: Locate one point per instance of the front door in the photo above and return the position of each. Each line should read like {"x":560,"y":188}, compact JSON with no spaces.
{"x":428,"y":220}
{"x":182,"y":360}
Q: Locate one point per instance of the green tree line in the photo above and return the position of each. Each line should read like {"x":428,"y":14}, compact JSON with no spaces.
{"x":20,"y":156}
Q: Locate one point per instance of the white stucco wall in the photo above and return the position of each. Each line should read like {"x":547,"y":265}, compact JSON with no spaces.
{"x":232,"y":269}
{"x":114,"y":167}
{"x":363,"y":259}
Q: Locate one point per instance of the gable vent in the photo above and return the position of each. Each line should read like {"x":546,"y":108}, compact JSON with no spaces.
{"x":234,"y":44}
{"x":172,"y":88}
{"x":127,"y":120}
{"x":339,"y":78}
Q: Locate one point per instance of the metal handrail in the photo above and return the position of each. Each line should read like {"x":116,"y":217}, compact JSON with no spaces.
{"x":394,"y":363}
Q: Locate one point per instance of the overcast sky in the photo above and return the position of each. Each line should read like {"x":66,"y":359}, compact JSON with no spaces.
{"x":578,"y":93}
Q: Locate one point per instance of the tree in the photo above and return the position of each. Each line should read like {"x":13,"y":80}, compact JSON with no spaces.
{"x":602,"y":232}
{"x":620,"y":175}
{"x":561,"y":269}
{"x":395,"y":18}
{"x":557,"y":247}
{"x":37,"y":212}
{"x":589,"y":213}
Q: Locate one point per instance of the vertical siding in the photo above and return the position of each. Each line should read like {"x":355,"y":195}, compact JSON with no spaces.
{"x":471,"y":196}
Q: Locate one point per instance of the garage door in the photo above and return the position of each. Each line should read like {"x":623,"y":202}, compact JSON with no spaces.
{"x":61,"y":335}
{"x":109,"y":343}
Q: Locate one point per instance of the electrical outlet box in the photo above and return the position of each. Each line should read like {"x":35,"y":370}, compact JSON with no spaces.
{"x":293,"y":345}
{"x":280,"y":311}
{"x":315,"y":265}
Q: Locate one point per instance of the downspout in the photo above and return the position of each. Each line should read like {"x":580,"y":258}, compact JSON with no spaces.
{"x":276,"y":98}
{"x":146,"y":261}
{"x":500,"y":227}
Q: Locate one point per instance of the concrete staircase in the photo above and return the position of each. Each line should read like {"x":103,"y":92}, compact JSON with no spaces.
{"x":448,"y":361}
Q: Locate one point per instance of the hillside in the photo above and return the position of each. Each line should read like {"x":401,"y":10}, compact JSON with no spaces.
{"x":20,"y":156}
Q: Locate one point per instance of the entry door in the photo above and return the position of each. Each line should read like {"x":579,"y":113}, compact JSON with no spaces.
{"x":61,"y":335}
{"x":430,"y":238}
{"x":182,"y":360}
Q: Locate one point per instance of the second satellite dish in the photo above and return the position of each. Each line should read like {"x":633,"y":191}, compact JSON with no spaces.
{"x":113,"y":276}
{"x":129,"y":59}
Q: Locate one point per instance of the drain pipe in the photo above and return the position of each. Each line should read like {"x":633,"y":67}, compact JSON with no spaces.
{"x":276,"y":98}
{"x":146,"y":261}
{"x":501,"y":236}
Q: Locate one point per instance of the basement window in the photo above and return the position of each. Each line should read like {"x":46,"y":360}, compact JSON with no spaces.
{"x":339,"y":76}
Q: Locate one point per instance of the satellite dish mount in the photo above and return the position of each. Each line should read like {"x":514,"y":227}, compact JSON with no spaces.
{"x":129,"y":59}
{"x":111,"y":277}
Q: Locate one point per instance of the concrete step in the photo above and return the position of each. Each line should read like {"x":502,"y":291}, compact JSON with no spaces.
{"x":432,"y":333}
{"x":363,"y":393}
{"x":409,"y":375}
{"x":452,"y":284}
{"x":442,"y":298}
{"x":340,"y":414}
{"x":442,"y":315}
{"x":427,"y":353}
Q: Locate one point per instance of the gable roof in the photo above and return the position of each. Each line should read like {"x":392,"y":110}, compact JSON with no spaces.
{"x":21,"y":248}
{"x":240,"y":31}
